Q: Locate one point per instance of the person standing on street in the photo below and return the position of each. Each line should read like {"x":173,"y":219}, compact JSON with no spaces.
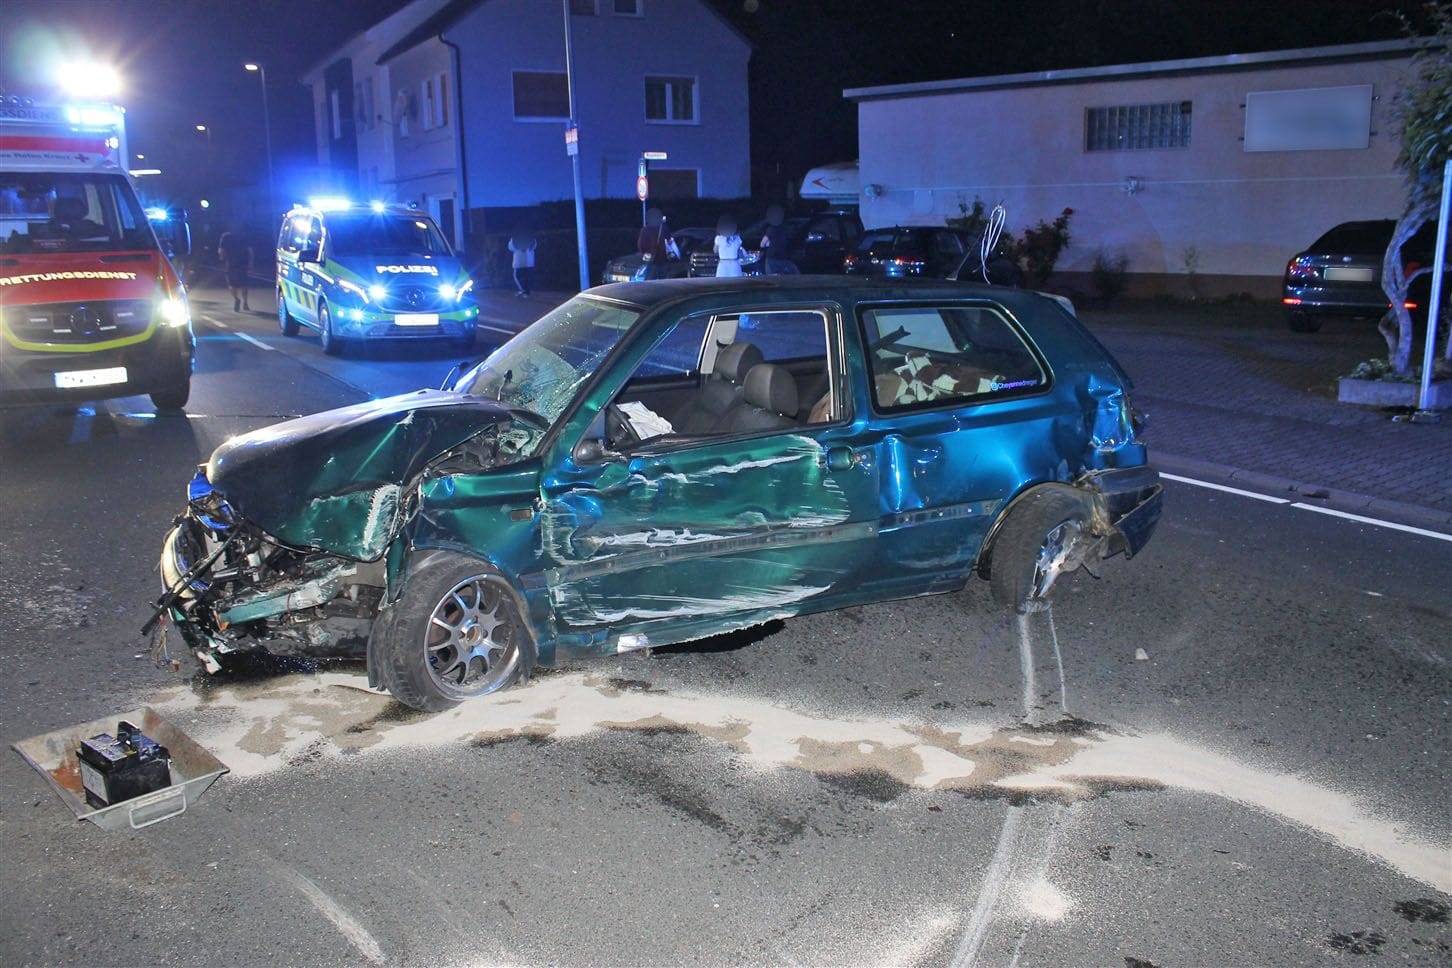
{"x":654,"y":237}
{"x":728,"y":248}
{"x":774,"y":244}
{"x":523,"y":243}
{"x":236,"y":257}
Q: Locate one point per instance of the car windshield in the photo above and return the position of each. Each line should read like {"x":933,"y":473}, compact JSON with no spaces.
{"x":541,"y":369}
{"x":70,"y":212}
{"x":372,"y":234}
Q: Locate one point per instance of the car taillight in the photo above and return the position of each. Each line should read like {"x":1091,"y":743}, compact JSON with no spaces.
{"x":911,"y":265}
{"x":849,"y":262}
{"x":1300,"y":269}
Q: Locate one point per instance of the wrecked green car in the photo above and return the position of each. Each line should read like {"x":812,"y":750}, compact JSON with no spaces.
{"x":652,"y":463}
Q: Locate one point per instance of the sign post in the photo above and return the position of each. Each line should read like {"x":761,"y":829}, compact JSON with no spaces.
{"x":642,"y":178}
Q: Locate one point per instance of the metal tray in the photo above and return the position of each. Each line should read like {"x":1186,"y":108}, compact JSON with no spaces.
{"x":193,"y":770}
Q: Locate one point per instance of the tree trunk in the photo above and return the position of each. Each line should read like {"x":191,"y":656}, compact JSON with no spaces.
{"x":1396,"y":326}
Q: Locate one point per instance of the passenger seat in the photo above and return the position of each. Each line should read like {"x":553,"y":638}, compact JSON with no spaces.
{"x":769,"y":401}
{"x":709,"y":408}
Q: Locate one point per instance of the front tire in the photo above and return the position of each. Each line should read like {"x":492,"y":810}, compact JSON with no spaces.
{"x":332,"y":343}
{"x":172,"y":397}
{"x":1045,"y":537}
{"x":285,"y":320}
{"x":457,"y":633}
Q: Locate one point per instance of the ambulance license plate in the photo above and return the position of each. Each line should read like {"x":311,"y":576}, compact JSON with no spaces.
{"x":416,"y":319}
{"x":90,"y":378}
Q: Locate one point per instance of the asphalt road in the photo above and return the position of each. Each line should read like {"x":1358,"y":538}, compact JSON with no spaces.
{"x":1232,"y":750}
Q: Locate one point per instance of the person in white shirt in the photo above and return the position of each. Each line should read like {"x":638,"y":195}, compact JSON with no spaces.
{"x":523,"y":244}
{"x":728,"y":247}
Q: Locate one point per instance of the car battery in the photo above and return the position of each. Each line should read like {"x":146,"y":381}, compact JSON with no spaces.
{"x":121,"y":767}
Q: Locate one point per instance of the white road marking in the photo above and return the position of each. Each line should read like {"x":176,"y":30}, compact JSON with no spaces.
{"x":215,"y":321}
{"x":1361,"y":519}
{"x":255,"y":341}
{"x":348,"y":925}
{"x":1301,"y":506}
{"x":1227,"y":490}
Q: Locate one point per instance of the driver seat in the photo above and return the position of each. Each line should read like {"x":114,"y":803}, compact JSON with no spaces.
{"x":721,"y":392}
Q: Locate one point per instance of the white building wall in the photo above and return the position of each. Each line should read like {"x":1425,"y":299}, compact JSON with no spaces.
{"x":1244,"y":213}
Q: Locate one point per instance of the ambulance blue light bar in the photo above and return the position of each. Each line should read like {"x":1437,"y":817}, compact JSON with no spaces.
{"x":329,"y":203}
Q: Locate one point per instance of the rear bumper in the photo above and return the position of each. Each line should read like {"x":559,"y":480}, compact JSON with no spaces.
{"x":164,"y":361}
{"x":1131,"y":500}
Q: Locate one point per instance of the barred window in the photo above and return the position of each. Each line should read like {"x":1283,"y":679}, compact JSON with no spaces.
{"x":1131,"y":127}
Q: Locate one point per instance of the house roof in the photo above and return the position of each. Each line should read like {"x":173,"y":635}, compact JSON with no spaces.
{"x":454,"y":11}
{"x":1372,"y":50}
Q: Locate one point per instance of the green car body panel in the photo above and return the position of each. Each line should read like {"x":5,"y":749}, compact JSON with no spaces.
{"x":675,"y":538}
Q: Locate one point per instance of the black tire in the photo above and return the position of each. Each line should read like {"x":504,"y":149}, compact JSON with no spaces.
{"x":332,"y":343}
{"x":173,"y":397}
{"x":285,"y":320}
{"x":451,"y":601}
{"x":1044,"y":537}
{"x":1302,"y":321}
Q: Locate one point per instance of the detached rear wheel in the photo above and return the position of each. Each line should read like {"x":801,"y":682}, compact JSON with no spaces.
{"x":458,"y":633}
{"x":1045,"y":537}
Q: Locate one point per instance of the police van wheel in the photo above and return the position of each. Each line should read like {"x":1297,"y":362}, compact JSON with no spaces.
{"x":285,"y":320}
{"x":332,"y":343}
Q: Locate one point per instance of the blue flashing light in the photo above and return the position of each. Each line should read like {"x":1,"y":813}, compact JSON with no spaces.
{"x":377,"y":206}
{"x":329,"y":203}
{"x":447,"y":291}
{"x":158,"y":214}
{"x":377,"y":292}
{"x":356,"y":315}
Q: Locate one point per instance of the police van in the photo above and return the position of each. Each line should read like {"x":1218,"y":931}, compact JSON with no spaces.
{"x":370,"y":272}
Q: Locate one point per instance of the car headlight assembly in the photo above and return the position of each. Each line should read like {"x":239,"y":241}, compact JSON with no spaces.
{"x":173,"y":311}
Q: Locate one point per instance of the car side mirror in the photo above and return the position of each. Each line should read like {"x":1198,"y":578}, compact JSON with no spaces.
{"x":592,"y":450}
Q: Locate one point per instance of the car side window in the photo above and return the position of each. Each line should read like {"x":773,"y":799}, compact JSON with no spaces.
{"x":759,"y":371}
{"x":925,"y":356}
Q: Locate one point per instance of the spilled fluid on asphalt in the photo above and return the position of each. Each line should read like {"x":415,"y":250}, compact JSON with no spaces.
{"x":260,"y":727}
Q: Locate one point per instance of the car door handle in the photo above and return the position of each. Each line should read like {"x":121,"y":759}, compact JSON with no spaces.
{"x":841,"y":458}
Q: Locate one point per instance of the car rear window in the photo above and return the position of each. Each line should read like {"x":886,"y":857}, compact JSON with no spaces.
{"x":925,"y":356}
{"x":1356,"y":237}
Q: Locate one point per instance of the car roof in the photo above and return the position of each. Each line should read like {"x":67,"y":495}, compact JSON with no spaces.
{"x":787,"y":288}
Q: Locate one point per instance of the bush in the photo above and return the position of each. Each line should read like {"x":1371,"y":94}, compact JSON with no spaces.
{"x":1040,"y":246}
{"x":1109,"y":275}
{"x":1377,"y":368}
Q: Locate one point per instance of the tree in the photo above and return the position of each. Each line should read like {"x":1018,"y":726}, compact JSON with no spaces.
{"x":1424,"y":111}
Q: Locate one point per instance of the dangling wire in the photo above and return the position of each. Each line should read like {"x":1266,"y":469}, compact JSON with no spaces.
{"x":991,"y":233}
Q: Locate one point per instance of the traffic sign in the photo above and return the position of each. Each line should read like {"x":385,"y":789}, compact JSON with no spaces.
{"x":642,"y":188}
{"x":654,"y":155}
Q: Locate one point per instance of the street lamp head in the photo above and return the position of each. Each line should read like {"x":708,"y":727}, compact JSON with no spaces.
{"x":253,"y":67}
{"x":201,"y":127}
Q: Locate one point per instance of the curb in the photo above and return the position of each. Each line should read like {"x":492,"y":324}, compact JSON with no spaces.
{"x":1395,"y":511}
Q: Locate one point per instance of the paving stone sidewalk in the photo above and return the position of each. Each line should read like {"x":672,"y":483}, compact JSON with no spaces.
{"x":1234,"y":394}
{"x":1233,"y":390}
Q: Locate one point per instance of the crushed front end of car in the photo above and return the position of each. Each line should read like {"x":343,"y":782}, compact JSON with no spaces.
{"x":232,"y":587}
{"x":284,"y":542}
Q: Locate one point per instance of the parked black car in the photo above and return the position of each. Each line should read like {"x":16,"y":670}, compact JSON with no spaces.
{"x":1340,"y":274}
{"x":816,"y":244}
{"x":904,"y":251}
{"x":637,"y":267}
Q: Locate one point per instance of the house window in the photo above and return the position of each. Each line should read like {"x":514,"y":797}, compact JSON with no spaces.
{"x":582,"y":8}
{"x":435,"y":101}
{"x":1131,"y":127}
{"x":628,"y":8}
{"x":541,"y":94}
{"x":336,"y":107}
{"x":670,"y":99}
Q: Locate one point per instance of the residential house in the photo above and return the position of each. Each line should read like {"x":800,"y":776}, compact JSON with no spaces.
{"x":462,"y":106}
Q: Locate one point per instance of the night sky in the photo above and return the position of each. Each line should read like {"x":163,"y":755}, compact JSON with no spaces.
{"x":181,"y":60}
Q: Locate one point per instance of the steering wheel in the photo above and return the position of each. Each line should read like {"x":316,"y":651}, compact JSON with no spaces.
{"x":619,"y":433}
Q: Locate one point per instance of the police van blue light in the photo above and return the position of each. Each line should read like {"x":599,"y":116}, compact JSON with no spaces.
{"x":370,"y":272}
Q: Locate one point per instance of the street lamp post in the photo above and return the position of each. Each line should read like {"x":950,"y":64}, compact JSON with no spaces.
{"x":267,"y":132}
{"x":573,"y":145}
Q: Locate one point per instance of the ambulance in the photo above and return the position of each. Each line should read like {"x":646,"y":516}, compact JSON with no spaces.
{"x":90,"y":306}
{"x":371,"y":272}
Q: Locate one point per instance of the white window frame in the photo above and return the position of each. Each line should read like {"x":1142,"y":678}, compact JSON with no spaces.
{"x":669,"y":83}
{"x":335,"y":109}
{"x":434,"y":102}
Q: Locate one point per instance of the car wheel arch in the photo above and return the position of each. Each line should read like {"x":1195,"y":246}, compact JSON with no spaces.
{"x":983,"y":567}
